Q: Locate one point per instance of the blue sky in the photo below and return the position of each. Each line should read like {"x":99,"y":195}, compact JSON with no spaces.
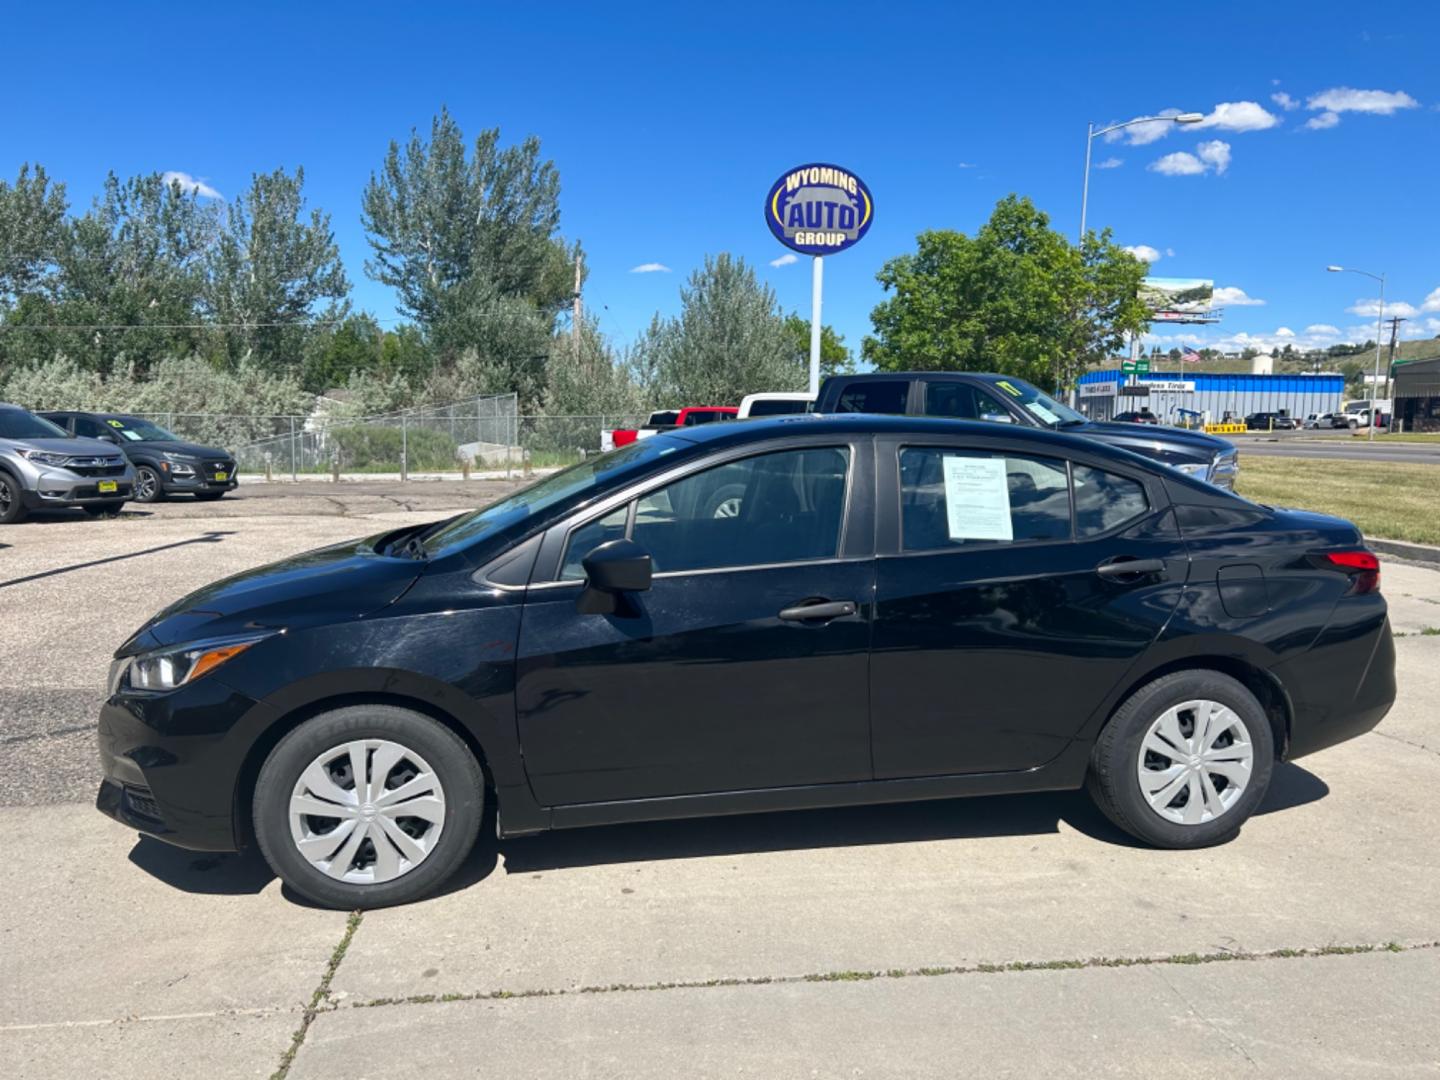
{"x":668,"y":123}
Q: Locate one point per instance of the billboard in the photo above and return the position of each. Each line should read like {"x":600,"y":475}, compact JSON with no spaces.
{"x":1177,"y":297}
{"x":819,"y":209}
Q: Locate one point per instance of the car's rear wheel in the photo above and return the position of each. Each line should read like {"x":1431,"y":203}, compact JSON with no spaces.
{"x":147,"y":485}
{"x":105,"y":509}
{"x":1184,"y":761}
{"x":12,"y":507}
{"x":368,"y":806}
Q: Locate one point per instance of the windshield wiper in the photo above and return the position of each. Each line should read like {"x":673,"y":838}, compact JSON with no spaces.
{"x":1071,"y":423}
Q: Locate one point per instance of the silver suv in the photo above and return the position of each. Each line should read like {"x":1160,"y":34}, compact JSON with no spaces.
{"x":42,"y":467}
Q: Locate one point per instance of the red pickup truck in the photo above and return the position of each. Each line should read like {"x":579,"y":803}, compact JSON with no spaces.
{"x":667,"y":420}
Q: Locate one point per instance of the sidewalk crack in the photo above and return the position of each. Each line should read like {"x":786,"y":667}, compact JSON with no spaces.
{"x":1190,"y":1008}
{"x":320,"y":1000}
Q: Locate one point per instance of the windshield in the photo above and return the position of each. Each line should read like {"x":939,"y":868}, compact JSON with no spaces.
{"x":568,"y":484}
{"x":18,"y":424}
{"x":1038,"y":404}
{"x":134,"y":429}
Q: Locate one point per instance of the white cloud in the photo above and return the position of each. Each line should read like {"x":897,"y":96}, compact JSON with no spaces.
{"x":1148,"y":132}
{"x":650,"y":268}
{"x":1233,"y":296}
{"x":967,"y":165}
{"x":1431,"y":302}
{"x":190,"y":184}
{"x":1239,"y":116}
{"x":1178,"y":164}
{"x":786,"y":259}
{"x":1215,"y":153}
{"x":1285,"y":332}
{"x":1344,"y":99}
{"x":1392,"y":307}
{"x":1109,"y":163}
{"x":1144,"y":252}
{"x":1169,"y":253}
{"x":1323,"y":121}
{"x":1285,"y":101}
{"x":1321,"y":329}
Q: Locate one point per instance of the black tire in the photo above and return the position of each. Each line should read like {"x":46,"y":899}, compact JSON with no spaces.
{"x":208,"y":496}
{"x":105,"y":510}
{"x":148,"y":488}
{"x":455,"y":767}
{"x":1113,"y":781}
{"x":12,"y":502}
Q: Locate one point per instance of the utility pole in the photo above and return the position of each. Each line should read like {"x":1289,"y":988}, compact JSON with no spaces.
{"x":579,"y":310}
{"x":1395,"y":321}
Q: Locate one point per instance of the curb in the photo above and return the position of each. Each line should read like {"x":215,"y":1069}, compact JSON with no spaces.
{"x":1423,"y":553}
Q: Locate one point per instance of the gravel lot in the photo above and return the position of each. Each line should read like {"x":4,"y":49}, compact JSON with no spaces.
{"x":989,"y":937}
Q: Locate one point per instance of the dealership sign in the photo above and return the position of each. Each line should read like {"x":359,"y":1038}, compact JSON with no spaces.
{"x":1097,"y":389}
{"x":1162,"y":386}
{"x":819,"y":209}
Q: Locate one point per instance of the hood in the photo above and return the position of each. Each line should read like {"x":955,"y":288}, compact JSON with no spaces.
{"x":1155,"y":441}
{"x":334,"y":584}
{"x":73,"y":447}
{"x":175,"y":446}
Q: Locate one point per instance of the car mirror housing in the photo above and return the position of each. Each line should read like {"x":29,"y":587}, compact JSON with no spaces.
{"x":612,"y":570}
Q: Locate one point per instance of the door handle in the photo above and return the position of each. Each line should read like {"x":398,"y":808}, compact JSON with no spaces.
{"x":1127,"y":567}
{"x":824,"y":609}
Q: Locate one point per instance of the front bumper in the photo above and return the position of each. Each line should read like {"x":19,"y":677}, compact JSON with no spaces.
{"x":171,"y":762}
{"x":206,"y":477}
{"x":58,"y":487}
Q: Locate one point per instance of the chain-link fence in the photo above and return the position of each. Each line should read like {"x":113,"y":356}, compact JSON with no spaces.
{"x":484,"y":434}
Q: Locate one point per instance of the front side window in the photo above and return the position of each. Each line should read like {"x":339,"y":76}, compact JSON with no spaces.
{"x":884,"y":397}
{"x":782,"y":507}
{"x":88,"y":428}
{"x":953,"y":498}
{"x":963,"y":401}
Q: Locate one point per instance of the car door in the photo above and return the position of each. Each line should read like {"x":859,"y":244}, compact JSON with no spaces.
{"x":1003,"y":616}
{"x":745,"y":663}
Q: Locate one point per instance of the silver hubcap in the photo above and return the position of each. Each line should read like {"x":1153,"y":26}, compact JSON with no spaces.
{"x":145,"y":483}
{"x":1195,"y":762}
{"x":729,"y":508}
{"x":367,"y":811}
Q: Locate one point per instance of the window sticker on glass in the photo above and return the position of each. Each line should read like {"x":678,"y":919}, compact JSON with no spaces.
{"x":977,"y":499}
{"x":115,"y":423}
{"x":1042,"y":412}
{"x":1009,"y":388}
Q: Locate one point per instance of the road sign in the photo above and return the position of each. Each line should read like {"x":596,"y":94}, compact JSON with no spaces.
{"x":1136,"y":367}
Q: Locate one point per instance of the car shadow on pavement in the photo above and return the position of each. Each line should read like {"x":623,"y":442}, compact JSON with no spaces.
{"x":207,"y":538}
{"x":654,"y":841}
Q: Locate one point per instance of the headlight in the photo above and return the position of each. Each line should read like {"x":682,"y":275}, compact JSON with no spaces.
{"x":182,"y":464}
{"x":169,"y":669}
{"x":43,"y":457}
{"x":1195,"y":468}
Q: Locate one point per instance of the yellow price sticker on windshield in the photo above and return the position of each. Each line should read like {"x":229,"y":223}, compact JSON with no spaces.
{"x":115,"y":423}
{"x":1009,"y":389}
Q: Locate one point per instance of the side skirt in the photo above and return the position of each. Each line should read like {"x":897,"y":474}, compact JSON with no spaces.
{"x":1063,"y":773}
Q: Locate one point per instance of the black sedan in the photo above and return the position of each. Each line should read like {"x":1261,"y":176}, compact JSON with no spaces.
{"x":164,"y":463}
{"x":891,"y":608}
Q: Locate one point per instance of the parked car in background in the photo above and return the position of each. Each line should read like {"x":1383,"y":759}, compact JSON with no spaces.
{"x":42,"y":467}
{"x":774,"y":404}
{"x":865,"y":627}
{"x":165,"y":465}
{"x":1269,"y":421}
{"x":1324,"y":421}
{"x":667,"y":420}
{"x":1145,"y":416}
{"x":1008,"y":400}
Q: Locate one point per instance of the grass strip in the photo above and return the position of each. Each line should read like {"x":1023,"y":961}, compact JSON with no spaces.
{"x":1395,"y":500}
{"x":318,"y":998}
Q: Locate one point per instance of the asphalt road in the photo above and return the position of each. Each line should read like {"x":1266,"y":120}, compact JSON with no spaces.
{"x":1016,"y":936}
{"x":1340,"y":445}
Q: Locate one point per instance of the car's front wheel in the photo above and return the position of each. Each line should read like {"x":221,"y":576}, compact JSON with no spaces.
{"x":368,"y":806}
{"x":147,"y":485}
{"x":12,"y":506}
{"x":1184,"y":760}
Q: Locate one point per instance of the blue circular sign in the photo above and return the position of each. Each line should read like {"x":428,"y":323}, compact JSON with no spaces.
{"x":819,"y":209}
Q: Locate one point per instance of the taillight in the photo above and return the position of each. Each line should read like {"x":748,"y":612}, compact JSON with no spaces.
{"x":1362,"y":566}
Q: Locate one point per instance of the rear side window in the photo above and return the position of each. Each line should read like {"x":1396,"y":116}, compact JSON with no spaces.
{"x":777,"y":408}
{"x":951,"y":498}
{"x":1104,"y":501}
{"x":874,"y":397}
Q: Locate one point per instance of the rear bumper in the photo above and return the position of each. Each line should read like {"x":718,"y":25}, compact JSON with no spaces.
{"x":1343,"y":686}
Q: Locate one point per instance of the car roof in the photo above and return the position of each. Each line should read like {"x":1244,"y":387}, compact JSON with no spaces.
{"x":717,"y":436}
{"x":883,"y":376}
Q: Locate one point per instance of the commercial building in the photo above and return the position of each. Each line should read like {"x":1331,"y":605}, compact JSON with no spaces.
{"x":1177,"y":397}
{"x":1417,"y":394}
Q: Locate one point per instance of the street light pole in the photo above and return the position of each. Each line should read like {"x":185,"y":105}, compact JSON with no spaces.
{"x":1379,"y":332}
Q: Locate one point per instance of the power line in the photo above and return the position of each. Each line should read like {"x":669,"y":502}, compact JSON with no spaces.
{"x":4,"y":327}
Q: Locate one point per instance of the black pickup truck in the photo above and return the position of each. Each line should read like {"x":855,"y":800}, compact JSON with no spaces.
{"x":1004,"y":399}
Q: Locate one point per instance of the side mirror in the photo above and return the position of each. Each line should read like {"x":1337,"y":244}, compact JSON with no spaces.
{"x":612,"y":570}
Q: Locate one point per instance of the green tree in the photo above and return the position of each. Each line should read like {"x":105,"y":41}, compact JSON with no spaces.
{"x":835,"y":357}
{"x":32,"y":232}
{"x":590,"y":381}
{"x":1017,"y":298}
{"x":333,"y":353}
{"x":270,"y":271}
{"x":729,"y":340}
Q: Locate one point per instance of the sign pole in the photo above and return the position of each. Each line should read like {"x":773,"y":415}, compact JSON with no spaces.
{"x":815,"y":327}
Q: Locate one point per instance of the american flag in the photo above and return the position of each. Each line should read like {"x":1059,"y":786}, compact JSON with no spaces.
{"x":1189,"y":356}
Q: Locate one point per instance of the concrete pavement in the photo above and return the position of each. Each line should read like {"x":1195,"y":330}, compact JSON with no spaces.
{"x":744,"y":946}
